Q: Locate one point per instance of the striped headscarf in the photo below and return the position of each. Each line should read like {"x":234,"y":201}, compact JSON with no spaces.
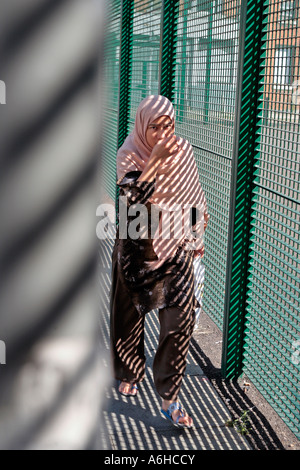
{"x":177,"y":180}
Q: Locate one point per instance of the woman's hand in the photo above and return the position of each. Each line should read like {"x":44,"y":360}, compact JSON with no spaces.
{"x":164,"y":148}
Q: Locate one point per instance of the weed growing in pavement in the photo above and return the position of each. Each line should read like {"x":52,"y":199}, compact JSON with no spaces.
{"x":241,"y":424}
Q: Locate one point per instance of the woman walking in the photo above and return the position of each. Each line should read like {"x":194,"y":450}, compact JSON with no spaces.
{"x":156,"y":169}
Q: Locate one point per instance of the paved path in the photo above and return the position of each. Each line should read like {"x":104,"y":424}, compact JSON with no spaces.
{"x":137,"y":423}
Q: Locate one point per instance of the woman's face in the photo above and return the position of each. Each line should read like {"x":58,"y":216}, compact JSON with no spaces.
{"x":159,"y":129}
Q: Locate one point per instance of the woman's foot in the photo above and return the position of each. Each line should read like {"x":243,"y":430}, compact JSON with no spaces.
{"x":128,"y":389}
{"x":176,"y":413}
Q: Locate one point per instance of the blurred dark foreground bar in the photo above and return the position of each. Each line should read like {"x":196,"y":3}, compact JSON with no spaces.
{"x":51,"y":377}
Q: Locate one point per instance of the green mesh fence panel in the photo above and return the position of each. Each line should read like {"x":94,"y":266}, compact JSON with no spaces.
{"x":206,"y":69}
{"x":111,"y":105}
{"x":169,"y":48}
{"x":272,"y":341}
{"x":226,"y":110}
{"x":145,"y":52}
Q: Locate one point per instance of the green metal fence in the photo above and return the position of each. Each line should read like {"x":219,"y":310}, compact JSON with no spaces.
{"x":231,"y":69}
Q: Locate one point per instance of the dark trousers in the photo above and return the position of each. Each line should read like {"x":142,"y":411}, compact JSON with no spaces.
{"x":127,"y":341}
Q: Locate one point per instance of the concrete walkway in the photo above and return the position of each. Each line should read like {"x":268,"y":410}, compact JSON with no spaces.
{"x":137,"y":423}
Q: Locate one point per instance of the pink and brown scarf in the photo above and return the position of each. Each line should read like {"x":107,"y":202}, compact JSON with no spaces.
{"x":177,"y":180}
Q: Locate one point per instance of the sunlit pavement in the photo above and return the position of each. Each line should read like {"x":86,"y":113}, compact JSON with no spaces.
{"x":137,"y":423}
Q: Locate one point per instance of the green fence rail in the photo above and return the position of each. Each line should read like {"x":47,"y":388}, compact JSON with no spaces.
{"x":231,"y":69}
{"x":246,"y":155}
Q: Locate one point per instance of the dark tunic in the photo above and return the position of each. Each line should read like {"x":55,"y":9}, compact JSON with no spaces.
{"x":171,"y":284}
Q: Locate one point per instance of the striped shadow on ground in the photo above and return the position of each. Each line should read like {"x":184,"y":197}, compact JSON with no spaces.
{"x":137,"y":424}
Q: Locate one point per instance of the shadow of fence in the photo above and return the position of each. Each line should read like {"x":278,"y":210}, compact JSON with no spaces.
{"x":137,"y":424}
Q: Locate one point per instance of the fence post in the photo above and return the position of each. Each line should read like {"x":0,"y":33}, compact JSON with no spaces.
{"x":125,"y":69}
{"x":168,"y":47}
{"x":125,"y":75}
{"x":245,"y":157}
